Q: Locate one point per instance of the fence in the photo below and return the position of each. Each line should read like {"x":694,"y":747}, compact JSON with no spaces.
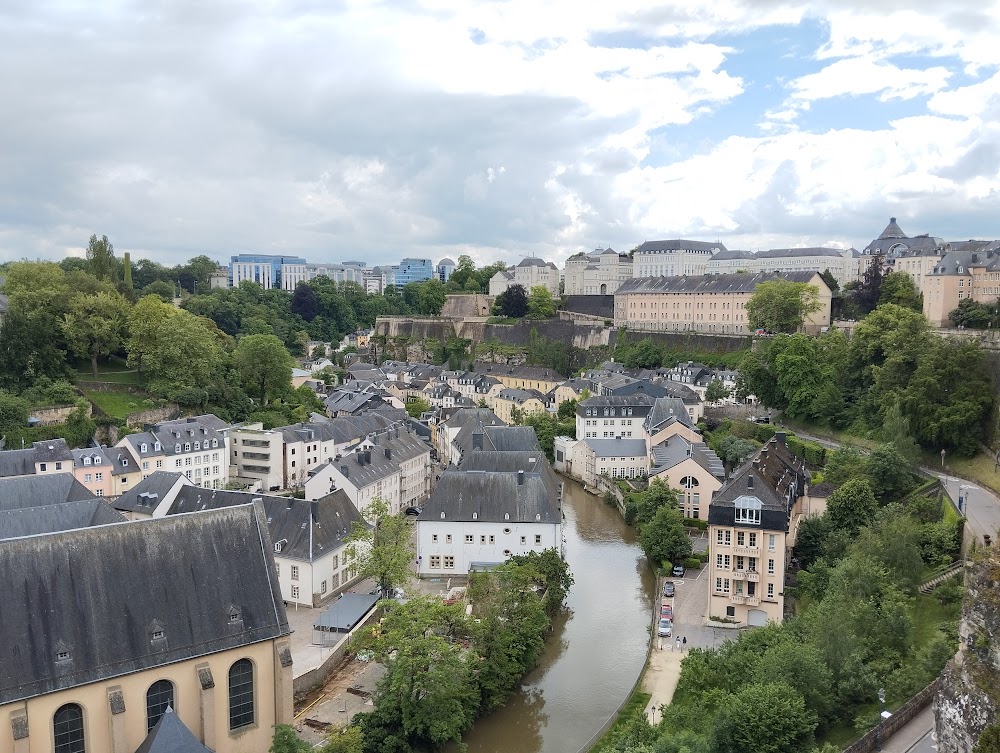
{"x":886,"y":728}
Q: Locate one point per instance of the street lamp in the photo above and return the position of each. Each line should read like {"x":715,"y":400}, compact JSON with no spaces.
{"x":878,"y":725}
{"x":966,"y":488}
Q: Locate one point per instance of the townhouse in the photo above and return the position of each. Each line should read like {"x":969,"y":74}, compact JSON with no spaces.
{"x":613,"y":417}
{"x":511,"y":403}
{"x":969,"y":272}
{"x":194,"y":446}
{"x":690,"y":467}
{"x":46,"y":457}
{"x":530,"y":272}
{"x":106,"y":471}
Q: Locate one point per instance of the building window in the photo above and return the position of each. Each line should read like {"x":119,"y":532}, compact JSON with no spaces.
{"x":718,"y":537}
{"x":295,"y":572}
{"x":729,"y":538}
{"x":322,"y":587}
{"x":718,"y":561}
{"x":67,"y":726}
{"x":482,"y":539}
{"x":295,"y":592}
{"x":449,"y":563}
{"x":770,"y":541}
{"x":748,"y":515}
{"x":770,"y":590}
{"x":447,"y":538}
{"x":434,"y":538}
{"x":435,"y":561}
{"x":770,"y":567}
{"x":493,"y":539}
{"x":538,"y":538}
{"x":42,"y":467}
{"x":753,"y":539}
{"x":88,"y":477}
{"x":469,"y":538}
{"x":524,"y":539}
{"x":241,"y":694}
{"x":98,"y":477}
{"x":158,"y":697}
{"x":740,"y":538}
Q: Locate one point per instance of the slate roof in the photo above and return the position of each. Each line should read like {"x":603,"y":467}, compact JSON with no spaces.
{"x":732,"y":254}
{"x":61,"y":516}
{"x":306,"y":530}
{"x":732,"y":283}
{"x":97,"y":594}
{"x":119,"y":459}
{"x":512,"y":462}
{"x":148,"y":493}
{"x":520,"y":372}
{"x":17,"y":462}
{"x":617,"y":448}
{"x":47,"y":489}
{"x":677,"y":244}
{"x":677,"y":449}
{"x":773,"y":476}
{"x":789,"y":253}
{"x":490,"y":497}
{"x":169,"y":735}
{"x":979,"y":254}
{"x":666,"y":410}
{"x":512,"y":438}
{"x":892,"y":230}
{"x":52,"y":450}
{"x":520,"y":396}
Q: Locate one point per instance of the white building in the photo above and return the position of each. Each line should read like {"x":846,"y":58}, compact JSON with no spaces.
{"x":673,"y":258}
{"x":615,"y":458}
{"x":613,"y":417}
{"x":479,"y":519}
{"x":194,"y":446}
{"x":530,"y":272}
{"x":599,"y":273}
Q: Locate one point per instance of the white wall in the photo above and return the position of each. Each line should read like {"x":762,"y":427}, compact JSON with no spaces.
{"x":506,"y":538}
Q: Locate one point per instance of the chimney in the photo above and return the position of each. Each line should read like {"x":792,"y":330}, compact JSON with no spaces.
{"x":388,"y":453}
{"x":892,"y":219}
{"x":314,"y":511}
{"x":780,"y":437}
{"x":368,"y":457}
{"x":360,"y":457}
{"x":344,"y":471}
{"x":477,"y":440}
{"x":520,"y":478}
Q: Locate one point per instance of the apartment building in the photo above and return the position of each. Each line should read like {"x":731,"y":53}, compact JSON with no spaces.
{"x":673,"y":258}
{"x":267,"y":270}
{"x":45,"y":457}
{"x":914,"y":255}
{"x":106,"y":471}
{"x":730,"y":262}
{"x":529,"y":273}
{"x":707,"y":303}
{"x":194,"y":446}
{"x":598,"y":273}
{"x":523,"y":377}
{"x":507,"y":402}
{"x":748,"y":523}
{"x":690,"y":467}
{"x":970,"y":271}
{"x":613,"y":417}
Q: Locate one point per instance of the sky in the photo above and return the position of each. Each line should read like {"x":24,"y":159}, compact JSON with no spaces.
{"x":336,"y":130}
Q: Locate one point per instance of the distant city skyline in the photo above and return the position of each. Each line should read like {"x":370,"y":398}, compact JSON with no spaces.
{"x":498,"y":130}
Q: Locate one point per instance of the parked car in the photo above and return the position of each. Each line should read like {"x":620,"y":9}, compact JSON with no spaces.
{"x":678,"y":571}
{"x":668,"y":589}
{"x":665,"y":630}
{"x":412,"y":511}
{"x":667,"y":612}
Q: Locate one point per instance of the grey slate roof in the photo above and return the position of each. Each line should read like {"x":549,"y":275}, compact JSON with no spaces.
{"x":981,"y":254}
{"x":512,"y":438}
{"x":892,"y":230}
{"x":676,"y":450}
{"x":61,"y":516}
{"x":97,"y":593}
{"x":17,"y":462}
{"x":4,"y":304}
{"x":617,"y":448}
{"x":169,"y":735}
{"x":520,"y":396}
{"x":664,"y":411}
{"x":732,"y":254}
{"x":33,"y":491}
{"x":306,"y":530}
{"x":678,"y":244}
{"x":512,"y":462}
{"x":787,"y":253}
{"x":732,"y":283}
{"x":148,"y":493}
{"x":52,"y":450}
{"x":490,"y":497}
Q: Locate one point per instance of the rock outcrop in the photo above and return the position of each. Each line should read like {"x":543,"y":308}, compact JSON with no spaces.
{"x":968,"y":701}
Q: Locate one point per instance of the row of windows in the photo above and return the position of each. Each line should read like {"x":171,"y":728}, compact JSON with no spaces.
{"x":743,"y":538}
{"x":68,"y":728}
{"x":724,"y":586}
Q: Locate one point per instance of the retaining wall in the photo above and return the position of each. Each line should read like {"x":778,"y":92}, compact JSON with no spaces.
{"x":314,"y":678}
{"x":56,"y":415}
{"x":889,"y":727}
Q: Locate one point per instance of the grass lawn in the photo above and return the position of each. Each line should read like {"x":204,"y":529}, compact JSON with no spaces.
{"x":119,"y":404}
{"x":115,"y":371}
{"x":978,"y":468}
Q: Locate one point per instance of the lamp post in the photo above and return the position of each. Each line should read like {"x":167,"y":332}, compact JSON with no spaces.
{"x":963,"y":496}
{"x":878,"y":725}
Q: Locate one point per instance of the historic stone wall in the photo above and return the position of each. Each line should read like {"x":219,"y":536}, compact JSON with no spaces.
{"x":968,"y":700}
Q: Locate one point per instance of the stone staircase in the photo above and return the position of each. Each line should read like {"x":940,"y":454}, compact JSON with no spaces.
{"x":937,"y":580}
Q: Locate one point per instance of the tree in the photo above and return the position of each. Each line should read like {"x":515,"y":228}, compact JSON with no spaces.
{"x":869,"y":291}
{"x":145,"y":321}
{"x":304,"y":301}
{"x":843,"y":464}
{"x":852,"y":506}
{"x":541,"y":305}
{"x":716,"y":391}
{"x":512,"y":303}
{"x":645,"y":354}
{"x":898,"y":288}
{"x":781,"y":306}
{"x":382,"y":549}
{"x":896,"y":429}
{"x":30,"y":349}
{"x":888,"y":473}
{"x":567,"y":410}
{"x":345,"y":740}
{"x":34,"y":286}
{"x":160,"y":288}
{"x":417,"y":407}
{"x":801,"y":667}
{"x":186,"y":354}
{"x":264,"y":364}
{"x":95,"y":326}
{"x":286,"y":741}
{"x":831,"y":281}
{"x":971,"y":314}
{"x":733,"y":450}
{"x":641,"y":507}
{"x":764,"y":718}
{"x":664,"y":538}
{"x":14,"y":411}
{"x":101,"y":256}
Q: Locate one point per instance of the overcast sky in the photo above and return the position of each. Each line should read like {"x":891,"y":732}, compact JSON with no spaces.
{"x":362,"y":130}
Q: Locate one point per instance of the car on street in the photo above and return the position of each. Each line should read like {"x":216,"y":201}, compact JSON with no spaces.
{"x":666,"y":611}
{"x":412,"y":511}
{"x":665,"y":630}
{"x":668,"y":589}
{"x":678,"y":571}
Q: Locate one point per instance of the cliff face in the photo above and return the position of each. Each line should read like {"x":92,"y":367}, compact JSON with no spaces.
{"x":969,"y":698}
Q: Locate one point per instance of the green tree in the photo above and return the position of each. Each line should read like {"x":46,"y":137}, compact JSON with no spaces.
{"x":896,"y":429}
{"x":286,"y":741}
{"x":641,"y":507}
{"x":781,"y":306}
{"x":888,"y":473}
{"x":852,"y":506}
{"x":512,"y":303}
{"x":304,"y":302}
{"x":381,"y":548}
{"x":645,"y":354}
{"x":345,"y":740}
{"x":734,"y":450}
{"x":898,"y":288}
{"x":716,"y":391}
{"x":264,"y":364}
{"x":160,"y":288}
{"x":35,"y":286}
{"x":95,"y":326}
{"x":567,"y":410}
{"x":417,"y":407}
{"x":145,"y":322}
{"x":764,"y":718}
{"x":801,"y":667}
{"x":972,"y":314}
{"x":664,"y":538}
{"x":541,"y":305}
{"x":31,"y":348}
{"x":186,"y":354}
{"x":14,"y":411}
{"x":867,"y":294}
{"x":843,"y":464}
{"x":101,"y":256}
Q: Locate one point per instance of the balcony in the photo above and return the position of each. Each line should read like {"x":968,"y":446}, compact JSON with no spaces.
{"x":256,"y":443}
{"x":752,"y":575}
{"x":747,"y":551}
{"x":257,"y":455}
{"x":256,"y":469}
{"x":753,"y":601}
{"x":737,"y":598}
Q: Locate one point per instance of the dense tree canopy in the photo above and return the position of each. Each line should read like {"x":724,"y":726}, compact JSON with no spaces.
{"x":781,"y":305}
{"x":512,"y":303}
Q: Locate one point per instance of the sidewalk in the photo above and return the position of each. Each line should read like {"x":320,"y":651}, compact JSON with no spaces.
{"x":907,"y":739}
{"x":662,"y":673}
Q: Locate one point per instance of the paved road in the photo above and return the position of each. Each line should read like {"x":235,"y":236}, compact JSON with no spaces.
{"x":916,"y":737}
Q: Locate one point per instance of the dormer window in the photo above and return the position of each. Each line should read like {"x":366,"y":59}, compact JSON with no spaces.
{"x":157,"y":446}
{"x":234,"y":616}
{"x":177,"y":447}
{"x":215,"y":443}
{"x":97,"y":460}
{"x":187,"y":447}
{"x":197,"y":445}
{"x":143,"y":447}
{"x":157,"y":635}
{"x":124,"y":462}
{"x":62,"y":655}
{"x":87,"y":460}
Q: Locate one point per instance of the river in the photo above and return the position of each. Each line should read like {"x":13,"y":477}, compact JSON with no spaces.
{"x":598,"y":645}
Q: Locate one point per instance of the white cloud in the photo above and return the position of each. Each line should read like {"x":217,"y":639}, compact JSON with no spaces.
{"x":857,"y":76}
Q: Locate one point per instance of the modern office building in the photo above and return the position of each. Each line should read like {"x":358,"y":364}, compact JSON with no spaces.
{"x":412,"y":270}
{"x":445,"y":267}
{"x":267,"y":270}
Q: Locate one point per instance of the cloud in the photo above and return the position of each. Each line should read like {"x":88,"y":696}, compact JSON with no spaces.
{"x":384,"y":130}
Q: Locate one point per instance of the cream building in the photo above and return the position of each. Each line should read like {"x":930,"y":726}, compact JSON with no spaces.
{"x":599,"y":273}
{"x":194,"y":446}
{"x":691,"y":468}
{"x":970,"y":271}
{"x":708,"y":303}
{"x":748,"y":522}
{"x":843,"y":264}
{"x":530,"y":272}
{"x":673,"y":258}
{"x":914,"y":255}
{"x":182,"y":612}
{"x":507,"y":401}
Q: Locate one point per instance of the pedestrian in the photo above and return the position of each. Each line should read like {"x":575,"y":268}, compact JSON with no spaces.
{"x":678,"y":642}
{"x":684,"y":640}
